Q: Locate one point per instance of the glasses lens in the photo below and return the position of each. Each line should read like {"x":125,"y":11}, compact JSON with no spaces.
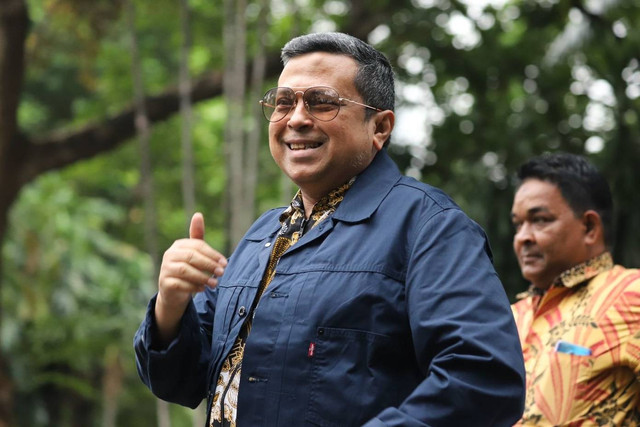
{"x":277,"y":103}
{"x":322,"y":102}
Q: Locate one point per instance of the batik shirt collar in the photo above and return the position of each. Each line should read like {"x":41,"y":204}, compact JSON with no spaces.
{"x":576,"y":274}
{"x":323,"y":207}
{"x":585,"y":271}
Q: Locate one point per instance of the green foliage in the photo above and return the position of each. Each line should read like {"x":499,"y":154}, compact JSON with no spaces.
{"x":533,"y":72}
{"x":71,"y":290}
{"x":76,"y":277}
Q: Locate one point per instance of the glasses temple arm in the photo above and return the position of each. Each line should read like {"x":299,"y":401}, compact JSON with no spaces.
{"x":361,"y":104}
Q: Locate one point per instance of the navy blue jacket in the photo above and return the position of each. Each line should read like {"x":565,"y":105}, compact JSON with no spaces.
{"x":389,"y":313}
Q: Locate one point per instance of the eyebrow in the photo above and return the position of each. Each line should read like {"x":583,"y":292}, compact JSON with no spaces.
{"x":534,"y":210}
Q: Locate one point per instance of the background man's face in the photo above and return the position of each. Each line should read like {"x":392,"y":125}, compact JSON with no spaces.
{"x":549,"y":238}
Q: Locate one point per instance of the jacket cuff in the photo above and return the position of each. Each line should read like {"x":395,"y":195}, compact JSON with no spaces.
{"x":150,"y":336}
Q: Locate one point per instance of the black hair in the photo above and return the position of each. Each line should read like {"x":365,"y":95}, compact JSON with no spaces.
{"x":374,"y":79}
{"x":580,"y":183}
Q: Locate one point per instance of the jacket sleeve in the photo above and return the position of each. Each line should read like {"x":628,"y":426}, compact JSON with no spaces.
{"x":179,"y":372}
{"x":463,"y":330}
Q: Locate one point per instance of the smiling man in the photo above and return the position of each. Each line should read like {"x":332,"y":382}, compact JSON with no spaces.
{"x":579,"y":322}
{"x":370,"y":300}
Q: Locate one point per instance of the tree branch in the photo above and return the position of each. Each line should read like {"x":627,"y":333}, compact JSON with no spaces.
{"x":60,"y":149}
{"x":14,"y":22}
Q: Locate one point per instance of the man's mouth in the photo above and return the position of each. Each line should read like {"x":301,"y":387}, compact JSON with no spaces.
{"x":530,"y":256}
{"x":296,"y":146}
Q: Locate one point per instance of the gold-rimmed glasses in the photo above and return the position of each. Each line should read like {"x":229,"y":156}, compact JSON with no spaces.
{"x":322,"y":102}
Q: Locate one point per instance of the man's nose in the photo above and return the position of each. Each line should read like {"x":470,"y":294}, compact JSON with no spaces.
{"x":524,"y":233}
{"x":299,"y":112}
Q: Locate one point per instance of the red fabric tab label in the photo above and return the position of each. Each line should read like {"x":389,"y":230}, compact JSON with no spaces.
{"x":312,"y":347}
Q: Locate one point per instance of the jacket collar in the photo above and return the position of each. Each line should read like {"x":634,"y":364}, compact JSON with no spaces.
{"x":369,"y":189}
{"x":360,"y":201}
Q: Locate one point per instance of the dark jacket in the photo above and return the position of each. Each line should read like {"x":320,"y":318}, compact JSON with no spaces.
{"x":390,"y":312}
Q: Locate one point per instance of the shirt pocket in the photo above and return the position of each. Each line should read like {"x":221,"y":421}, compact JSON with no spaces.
{"x":568,"y":370}
{"x":562,"y":385}
{"x":347,"y":386}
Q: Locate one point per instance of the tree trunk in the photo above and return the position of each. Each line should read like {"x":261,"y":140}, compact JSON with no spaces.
{"x":234,"y":90}
{"x":143,"y":130}
{"x":13,"y":31}
{"x":146,"y":172}
{"x":286,"y":185}
{"x":188,"y":181}
{"x":200,"y":415}
{"x":257,"y":120}
{"x":163,"y":414}
{"x":111,"y":386}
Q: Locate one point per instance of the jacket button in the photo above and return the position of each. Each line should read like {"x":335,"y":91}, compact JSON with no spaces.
{"x":266,"y":245}
{"x":320,"y":331}
{"x":242,"y":311}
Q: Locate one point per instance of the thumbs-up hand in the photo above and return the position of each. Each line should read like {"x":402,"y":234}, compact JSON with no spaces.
{"x":188,"y":266}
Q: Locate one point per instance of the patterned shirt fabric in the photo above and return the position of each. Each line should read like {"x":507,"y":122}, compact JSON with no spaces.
{"x":293,"y":225}
{"x":581,"y":346}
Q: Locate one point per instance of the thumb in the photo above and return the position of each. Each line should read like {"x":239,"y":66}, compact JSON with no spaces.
{"x":196,"y":228}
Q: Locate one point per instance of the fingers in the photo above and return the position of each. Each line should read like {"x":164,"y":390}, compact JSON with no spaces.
{"x":190,"y":265}
{"x":196,"y":253}
{"x":193,"y":261}
{"x":196,"y":228}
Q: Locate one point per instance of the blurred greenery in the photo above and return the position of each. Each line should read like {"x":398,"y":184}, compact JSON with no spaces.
{"x":482,"y":85}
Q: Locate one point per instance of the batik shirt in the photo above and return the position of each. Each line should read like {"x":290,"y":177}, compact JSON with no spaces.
{"x":581,"y":346}
{"x":293,"y":225}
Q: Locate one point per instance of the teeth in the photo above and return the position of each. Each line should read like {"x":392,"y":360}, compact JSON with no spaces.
{"x":303,"y":146}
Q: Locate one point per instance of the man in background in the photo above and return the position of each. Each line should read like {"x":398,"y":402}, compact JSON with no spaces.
{"x":579,"y":322}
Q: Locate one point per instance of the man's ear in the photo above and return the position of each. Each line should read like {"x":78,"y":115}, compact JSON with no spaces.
{"x":383,"y":121}
{"x":594,"y":233}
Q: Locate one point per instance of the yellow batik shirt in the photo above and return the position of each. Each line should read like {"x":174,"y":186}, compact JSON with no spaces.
{"x":294,"y":223}
{"x":581,"y":346}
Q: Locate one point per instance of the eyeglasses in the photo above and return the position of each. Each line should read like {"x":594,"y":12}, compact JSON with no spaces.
{"x":322,"y":102}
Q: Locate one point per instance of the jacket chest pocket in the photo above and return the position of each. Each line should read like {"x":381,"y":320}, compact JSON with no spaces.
{"x":351,"y":381}
{"x":232,"y":308}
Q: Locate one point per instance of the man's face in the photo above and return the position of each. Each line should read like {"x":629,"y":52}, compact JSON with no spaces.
{"x":549,"y":238}
{"x":321,"y":155}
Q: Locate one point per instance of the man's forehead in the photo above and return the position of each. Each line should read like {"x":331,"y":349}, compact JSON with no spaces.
{"x":537,"y":188}
{"x":535,"y":195}
{"x":318,"y":69}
